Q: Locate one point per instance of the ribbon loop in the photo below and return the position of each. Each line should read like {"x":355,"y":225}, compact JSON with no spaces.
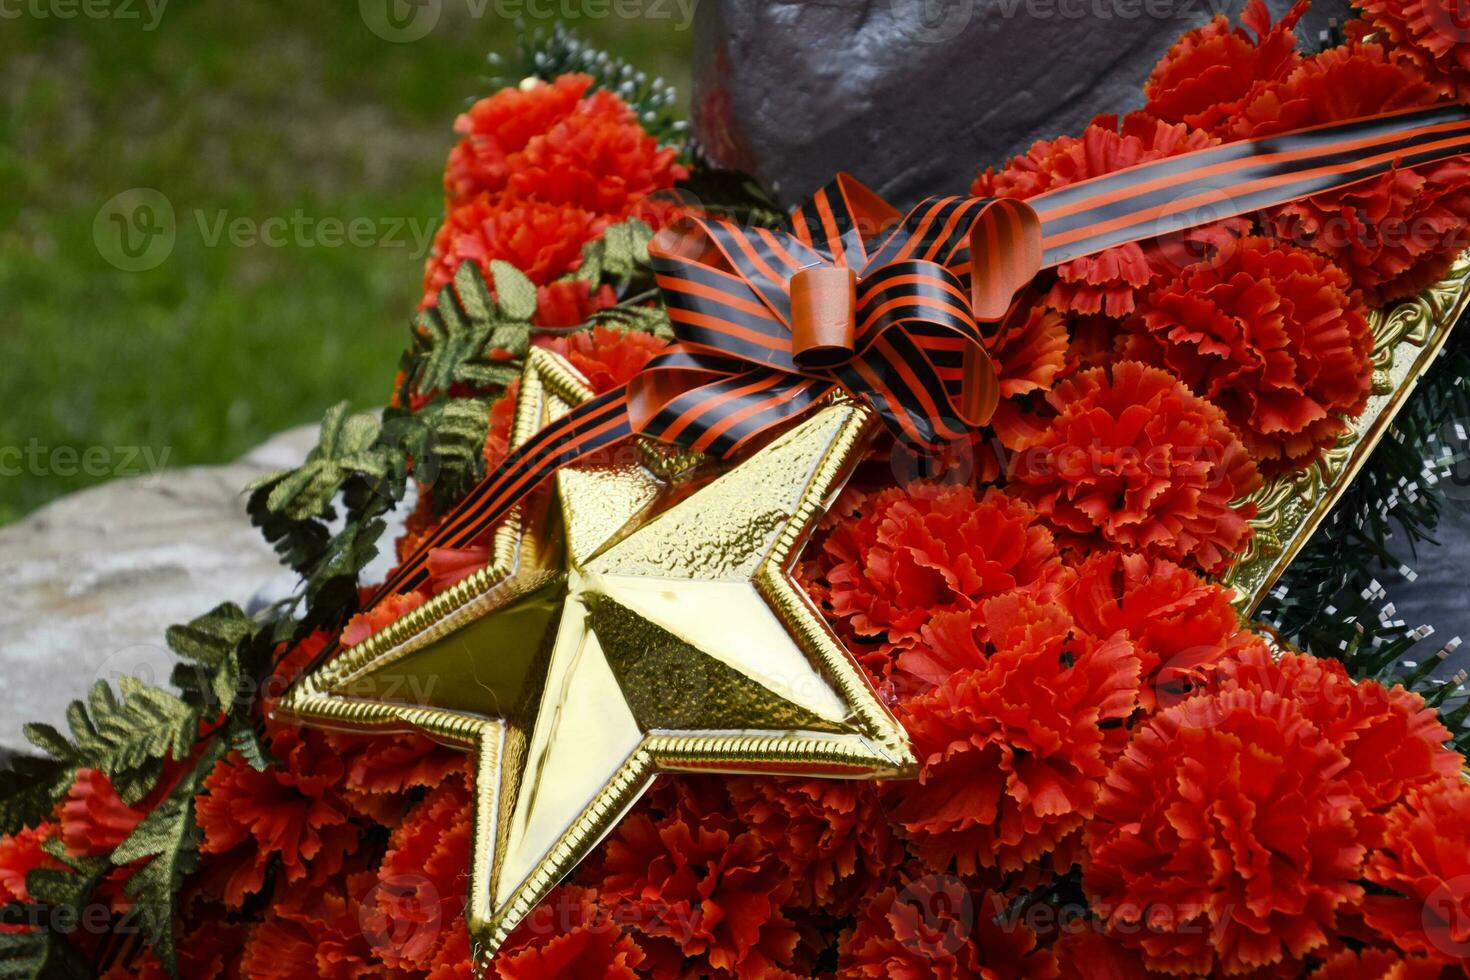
{"x":823,"y":316}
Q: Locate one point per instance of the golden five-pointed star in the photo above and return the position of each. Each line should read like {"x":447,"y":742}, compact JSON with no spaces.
{"x":629,"y":624}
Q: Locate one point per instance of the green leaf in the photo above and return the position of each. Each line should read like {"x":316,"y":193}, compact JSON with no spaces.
{"x":40,"y":955}
{"x":515,"y":293}
{"x":347,"y":448}
{"x":642,"y":317}
{"x":168,"y":838}
{"x":127,"y":738}
{"x":620,"y":255}
{"x":456,"y":340}
{"x":29,"y":789}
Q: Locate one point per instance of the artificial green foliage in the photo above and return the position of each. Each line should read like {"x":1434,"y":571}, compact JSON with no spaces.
{"x":347,"y":448}
{"x":29,"y":788}
{"x":468,"y":337}
{"x":39,"y":954}
{"x":650,"y":318}
{"x":448,"y":448}
{"x":730,"y":194}
{"x":168,"y":840}
{"x":620,"y":255}
{"x":127,"y":738}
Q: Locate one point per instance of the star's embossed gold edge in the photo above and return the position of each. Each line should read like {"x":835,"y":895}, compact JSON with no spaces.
{"x":1407,"y":336}
{"x":546,"y":376}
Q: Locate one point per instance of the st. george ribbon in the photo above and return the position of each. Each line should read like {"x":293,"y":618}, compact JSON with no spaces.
{"x":850,"y":295}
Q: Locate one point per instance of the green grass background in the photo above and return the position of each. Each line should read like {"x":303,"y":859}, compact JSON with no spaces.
{"x":253,"y":109}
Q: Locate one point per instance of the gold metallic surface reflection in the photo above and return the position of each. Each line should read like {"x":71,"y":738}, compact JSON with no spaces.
{"x":628,"y":626}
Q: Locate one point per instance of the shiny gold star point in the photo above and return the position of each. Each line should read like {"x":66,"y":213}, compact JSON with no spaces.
{"x":630,"y":623}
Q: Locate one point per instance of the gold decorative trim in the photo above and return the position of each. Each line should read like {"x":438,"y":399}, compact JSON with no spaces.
{"x":1407,"y":338}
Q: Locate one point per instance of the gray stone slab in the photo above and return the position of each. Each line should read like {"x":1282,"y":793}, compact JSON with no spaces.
{"x":92,"y":580}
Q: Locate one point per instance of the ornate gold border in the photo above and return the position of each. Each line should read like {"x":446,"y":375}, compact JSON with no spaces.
{"x":1407,"y":339}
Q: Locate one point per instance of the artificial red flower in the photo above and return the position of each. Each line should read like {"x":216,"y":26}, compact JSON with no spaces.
{"x":1225,"y":837}
{"x":501,"y":125}
{"x":316,"y":933}
{"x":1377,"y":964}
{"x":1206,"y":76}
{"x":381,"y":616}
{"x":569,"y":935}
{"x":936,"y":927}
{"x":598,"y":158}
{"x":381,"y":771}
{"x":94,"y":819}
{"x":1425,"y":871}
{"x":1337,"y":84}
{"x":20,"y":854}
{"x":569,"y":302}
{"x":1272,"y":334}
{"x":421,"y":881}
{"x":556,"y":143}
{"x":1394,"y":743}
{"x":605,"y":356}
{"x":707,"y":884}
{"x":831,"y":835}
{"x":542,"y":240}
{"x":502,"y":420}
{"x":1394,"y":235}
{"x":1430,"y":36}
{"x":1012,"y":753}
{"x":293,"y":812}
{"x":1105,"y":282}
{"x":1179,"y":623}
{"x":209,"y":951}
{"x":1134,"y":459}
{"x":1084,"y":953}
{"x":1029,"y":351}
{"x":888,"y":564}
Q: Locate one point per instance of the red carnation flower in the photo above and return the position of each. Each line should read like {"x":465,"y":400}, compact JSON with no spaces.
{"x":502,"y":125}
{"x":1377,"y":964}
{"x":831,"y":835}
{"x":1013,"y":753}
{"x":94,"y":819}
{"x":1272,"y":334}
{"x":421,"y":887}
{"x":606,"y":357}
{"x":1394,"y":235}
{"x":20,"y":854}
{"x":1135,"y":459}
{"x":1105,"y":282}
{"x":938,"y":928}
{"x":708,"y":885}
{"x":555,"y":143}
{"x":1426,"y":868}
{"x":542,"y":240}
{"x":1207,"y":75}
{"x":1394,"y":743}
{"x":598,"y":158}
{"x":293,"y":812}
{"x":1029,"y":351}
{"x":570,"y":302}
{"x":1428,"y":35}
{"x":1225,"y":837}
{"x":1179,"y":623}
{"x":569,"y":935}
{"x":891,"y":563}
{"x":315,"y":933}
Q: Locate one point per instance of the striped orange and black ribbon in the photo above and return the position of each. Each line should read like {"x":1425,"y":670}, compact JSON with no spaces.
{"x":922,"y":284}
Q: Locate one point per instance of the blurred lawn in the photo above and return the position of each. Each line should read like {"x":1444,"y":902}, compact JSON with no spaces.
{"x":259,"y":110}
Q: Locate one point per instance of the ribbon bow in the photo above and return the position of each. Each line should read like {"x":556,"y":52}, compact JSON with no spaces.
{"x":848,"y":296}
{"x":844,"y":296}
